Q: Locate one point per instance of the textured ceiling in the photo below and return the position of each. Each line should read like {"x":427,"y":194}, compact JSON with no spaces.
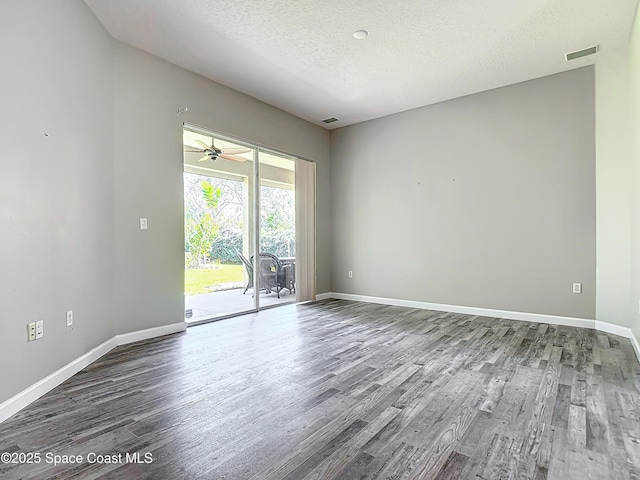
{"x":300,"y":55}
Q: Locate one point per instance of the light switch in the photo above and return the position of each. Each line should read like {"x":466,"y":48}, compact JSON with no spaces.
{"x":143,"y":224}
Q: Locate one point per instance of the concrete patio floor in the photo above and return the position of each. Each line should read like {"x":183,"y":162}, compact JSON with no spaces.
{"x":228,"y":302}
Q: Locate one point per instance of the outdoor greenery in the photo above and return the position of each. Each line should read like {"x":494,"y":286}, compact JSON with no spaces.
{"x":200,"y":226}
{"x":213,"y":207}
{"x":282,"y":243}
{"x":277,"y":221}
{"x":214,"y":223}
{"x":226,"y":246}
{"x":199,"y":236}
{"x":201,"y":280}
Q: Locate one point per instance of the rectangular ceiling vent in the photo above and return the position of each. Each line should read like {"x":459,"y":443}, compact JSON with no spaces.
{"x":582,"y":53}
{"x":330,"y":120}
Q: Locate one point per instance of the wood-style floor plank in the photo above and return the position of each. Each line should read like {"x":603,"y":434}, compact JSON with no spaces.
{"x":345,"y":390}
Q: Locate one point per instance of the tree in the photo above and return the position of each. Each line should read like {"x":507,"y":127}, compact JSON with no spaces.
{"x":200,"y":234}
{"x":200,"y":227}
{"x":277,"y":221}
{"x":219,"y":236}
{"x":211,"y":194}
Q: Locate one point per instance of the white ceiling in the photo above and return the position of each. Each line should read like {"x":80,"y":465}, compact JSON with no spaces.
{"x":300,"y":55}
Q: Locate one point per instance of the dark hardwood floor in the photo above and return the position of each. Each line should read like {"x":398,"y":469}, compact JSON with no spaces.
{"x":345,"y":390}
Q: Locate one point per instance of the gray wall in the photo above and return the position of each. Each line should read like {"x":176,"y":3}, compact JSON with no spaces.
{"x":70,"y":202}
{"x":614,"y":186}
{"x":618,"y":191}
{"x":148,"y":175}
{"x":618,"y":184}
{"x":483,"y":201}
{"x":634,"y":59}
{"x":56,"y":192}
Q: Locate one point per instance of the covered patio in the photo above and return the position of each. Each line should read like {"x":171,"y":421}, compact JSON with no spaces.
{"x":221,"y":303}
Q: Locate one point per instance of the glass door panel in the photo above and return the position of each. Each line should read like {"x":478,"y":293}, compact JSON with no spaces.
{"x":277,"y":228}
{"x":219,"y":203}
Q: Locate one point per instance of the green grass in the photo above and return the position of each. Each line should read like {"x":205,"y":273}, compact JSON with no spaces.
{"x":198,"y":280}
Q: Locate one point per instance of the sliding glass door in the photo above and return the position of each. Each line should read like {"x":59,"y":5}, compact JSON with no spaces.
{"x":277,"y":228}
{"x":238,"y":199}
{"x":219,"y":225}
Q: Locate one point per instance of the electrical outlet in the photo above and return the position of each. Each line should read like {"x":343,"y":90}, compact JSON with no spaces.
{"x":577,"y":288}
{"x":31,"y":332}
{"x":69,"y":318}
{"x":350,"y":274}
{"x":39,"y":329}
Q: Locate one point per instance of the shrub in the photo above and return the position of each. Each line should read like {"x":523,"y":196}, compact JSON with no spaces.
{"x":226,"y":246}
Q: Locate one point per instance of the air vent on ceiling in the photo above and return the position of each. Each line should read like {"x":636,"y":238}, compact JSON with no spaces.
{"x":583,"y":53}
{"x":330,"y":120}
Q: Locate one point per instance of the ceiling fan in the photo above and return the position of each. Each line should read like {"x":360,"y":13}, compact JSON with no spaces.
{"x":212,"y":152}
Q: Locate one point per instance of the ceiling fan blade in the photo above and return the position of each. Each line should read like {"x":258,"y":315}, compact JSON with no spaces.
{"x":206,"y":157}
{"x":235,"y":150}
{"x":204,"y":145}
{"x":193,"y":151}
{"x":235,"y":158}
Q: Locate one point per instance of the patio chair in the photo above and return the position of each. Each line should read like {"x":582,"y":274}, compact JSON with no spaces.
{"x":272,"y":275}
{"x":289,"y":268}
{"x":249,"y":268}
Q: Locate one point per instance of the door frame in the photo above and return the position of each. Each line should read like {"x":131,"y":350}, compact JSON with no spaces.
{"x":257,"y":148}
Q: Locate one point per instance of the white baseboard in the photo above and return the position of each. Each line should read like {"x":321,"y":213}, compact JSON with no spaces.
{"x":636,"y":347}
{"x":620,"y":331}
{"x":125,"y":338}
{"x":486,"y":312}
{"x":19,"y":401}
{"x":615,"y":329}
{"x":324,"y":296}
